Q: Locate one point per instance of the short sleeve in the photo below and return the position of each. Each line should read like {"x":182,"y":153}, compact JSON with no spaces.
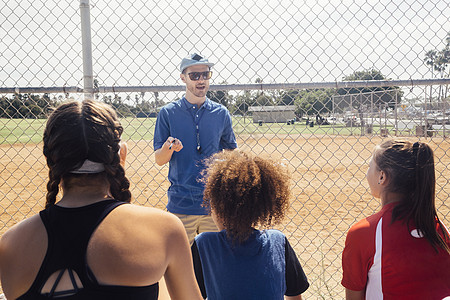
{"x":198,"y":269}
{"x":296,"y":281}
{"x":162,"y":130}
{"x":357,"y":257}
{"x":228,"y":139}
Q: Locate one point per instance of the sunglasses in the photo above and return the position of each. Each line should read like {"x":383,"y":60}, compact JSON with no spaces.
{"x":196,"y":75}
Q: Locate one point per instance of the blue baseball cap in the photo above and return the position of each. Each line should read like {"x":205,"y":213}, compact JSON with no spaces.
{"x":194,"y":59}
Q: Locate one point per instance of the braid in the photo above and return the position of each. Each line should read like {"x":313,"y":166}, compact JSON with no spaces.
{"x":52,"y":189}
{"x":77,"y":131}
{"x":119,"y":184}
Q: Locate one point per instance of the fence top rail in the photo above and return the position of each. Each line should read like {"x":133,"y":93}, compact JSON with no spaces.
{"x":229,"y":87}
{"x":41,"y":90}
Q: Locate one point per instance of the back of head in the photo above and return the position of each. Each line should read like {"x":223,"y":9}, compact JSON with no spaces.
{"x":409,"y":168}
{"x":246,"y":191}
{"x":406,"y":163}
{"x":80,"y":131}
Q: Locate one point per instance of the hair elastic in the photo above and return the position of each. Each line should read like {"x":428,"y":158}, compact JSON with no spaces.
{"x":415,"y":152}
{"x":415,"y":148}
{"x":89,"y":167}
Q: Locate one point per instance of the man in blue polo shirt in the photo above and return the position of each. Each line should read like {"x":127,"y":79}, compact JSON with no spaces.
{"x":187,"y":131}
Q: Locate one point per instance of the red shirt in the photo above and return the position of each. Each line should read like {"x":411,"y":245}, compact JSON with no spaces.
{"x":392,"y":261}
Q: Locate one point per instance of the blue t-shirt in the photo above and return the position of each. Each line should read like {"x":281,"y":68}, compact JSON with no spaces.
{"x":263,"y":267}
{"x":179,"y":119}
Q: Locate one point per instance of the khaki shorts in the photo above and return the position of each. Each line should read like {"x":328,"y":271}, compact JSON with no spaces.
{"x":195,"y":224}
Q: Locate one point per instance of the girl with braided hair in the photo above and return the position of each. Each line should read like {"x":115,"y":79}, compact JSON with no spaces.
{"x":246,"y":193}
{"x":403,"y":251}
{"x":92,"y":243}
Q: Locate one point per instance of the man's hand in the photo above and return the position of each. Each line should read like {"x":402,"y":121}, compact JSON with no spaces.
{"x":174,"y":144}
{"x":164,"y":154}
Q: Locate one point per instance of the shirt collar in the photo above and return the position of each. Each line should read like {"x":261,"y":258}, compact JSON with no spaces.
{"x":207,"y":104}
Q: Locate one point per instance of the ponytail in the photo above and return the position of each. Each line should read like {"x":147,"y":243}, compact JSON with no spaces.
{"x":411,"y":169}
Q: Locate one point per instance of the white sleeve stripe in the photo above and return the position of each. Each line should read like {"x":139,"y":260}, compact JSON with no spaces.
{"x":445,"y":228}
{"x":374,"y":289}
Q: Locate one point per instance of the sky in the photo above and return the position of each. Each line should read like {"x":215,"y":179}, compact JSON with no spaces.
{"x":142,"y":42}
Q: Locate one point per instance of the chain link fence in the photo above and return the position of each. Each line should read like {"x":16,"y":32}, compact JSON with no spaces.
{"x":314,"y":84}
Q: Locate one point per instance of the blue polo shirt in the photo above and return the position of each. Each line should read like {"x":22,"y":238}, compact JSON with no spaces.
{"x":179,"y":119}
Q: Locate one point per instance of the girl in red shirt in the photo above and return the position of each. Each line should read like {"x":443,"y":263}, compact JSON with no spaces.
{"x":403,"y":251}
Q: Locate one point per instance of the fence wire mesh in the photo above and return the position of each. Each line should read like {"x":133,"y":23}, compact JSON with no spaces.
{"x":324,"y":134}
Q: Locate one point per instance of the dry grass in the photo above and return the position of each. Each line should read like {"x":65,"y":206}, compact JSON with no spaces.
{"x":329,"y":189}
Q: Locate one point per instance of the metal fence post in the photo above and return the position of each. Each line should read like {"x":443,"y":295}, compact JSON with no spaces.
{"x":395,"y":114}
{"x":88,"y":76}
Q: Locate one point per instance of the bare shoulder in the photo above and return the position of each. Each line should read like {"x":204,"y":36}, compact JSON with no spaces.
{"x":22,"y":249}
{"x":23,"y":233}
{"x":152,"y":233}
{"x":150,"y":214}
{"x":147,"y":219}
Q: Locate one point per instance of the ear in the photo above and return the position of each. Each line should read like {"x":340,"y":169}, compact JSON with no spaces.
{"x":382,"y":178}
{"x":183,"y":77}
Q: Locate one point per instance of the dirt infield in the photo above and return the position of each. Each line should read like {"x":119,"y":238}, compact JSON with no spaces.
{"x":329,"y":191}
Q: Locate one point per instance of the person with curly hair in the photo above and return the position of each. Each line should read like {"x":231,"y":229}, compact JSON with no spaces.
{"x":90,"y":242}
{"x":244,"y":193}
{"x":402,"y":251}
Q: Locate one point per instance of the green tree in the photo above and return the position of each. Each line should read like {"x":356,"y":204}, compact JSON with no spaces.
{"x":28,"y":106}
{"x":438,"y":61}
{"x":5,"y":107}
{"x":222,"y":97}
{"x":386,"y":95}
{"x":123,"y":109}
{"x":288,"y":97}
{"x":261,"y":98}
{"x":313,"y":102}
{"x":242,"y":103}
{"x":250,"y":98}
{"x":219,"y":97}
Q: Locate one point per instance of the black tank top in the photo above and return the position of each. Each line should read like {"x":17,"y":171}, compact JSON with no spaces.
{"x":69,"y":231}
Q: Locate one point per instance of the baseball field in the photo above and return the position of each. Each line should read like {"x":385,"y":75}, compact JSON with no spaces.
{"x":329,"y":191}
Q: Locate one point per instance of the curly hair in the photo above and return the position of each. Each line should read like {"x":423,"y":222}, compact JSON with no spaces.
{"x":77,"y":131}
{"x":410,"y":169}
{"x":245,"y":191}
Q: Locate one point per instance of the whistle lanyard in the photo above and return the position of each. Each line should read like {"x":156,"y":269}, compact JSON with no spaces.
{"x":196,"y":117}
